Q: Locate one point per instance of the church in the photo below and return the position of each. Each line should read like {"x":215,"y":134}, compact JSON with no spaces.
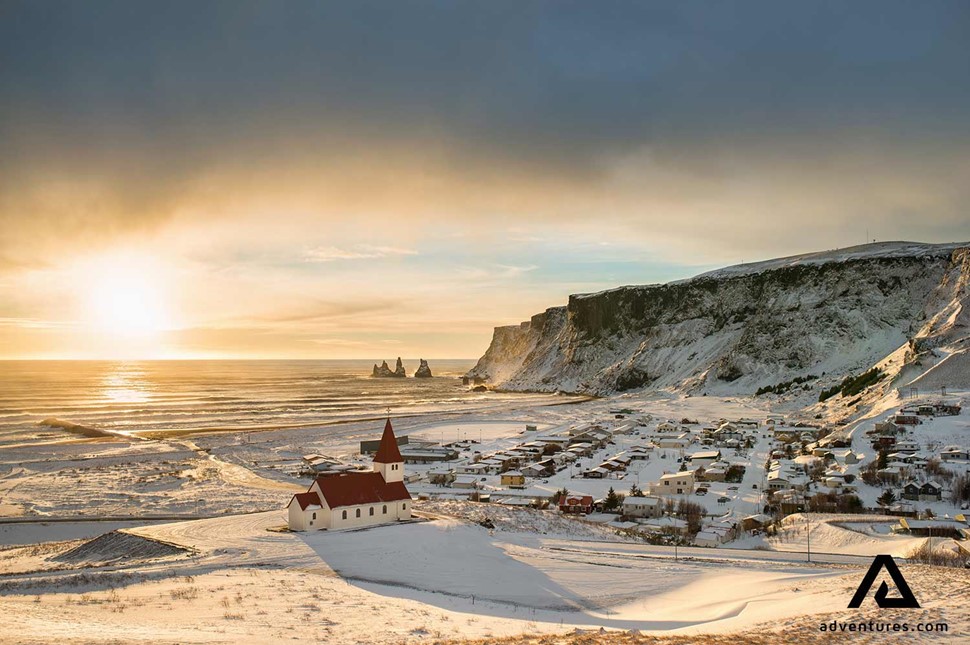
{"x":356,"y":499}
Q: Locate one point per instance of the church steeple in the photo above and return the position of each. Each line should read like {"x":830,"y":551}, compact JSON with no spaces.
{"x":388,"y":461}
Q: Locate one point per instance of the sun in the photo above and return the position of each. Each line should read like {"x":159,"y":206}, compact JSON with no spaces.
{"x":124,"y":296}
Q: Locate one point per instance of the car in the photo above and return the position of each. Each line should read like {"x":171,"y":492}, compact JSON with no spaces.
{"x":701,"y":491}
{"x":732,"y":487}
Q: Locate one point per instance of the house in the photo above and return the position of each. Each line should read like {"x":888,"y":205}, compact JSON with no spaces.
{"x":540,"y":469}
{"x":681,"y":483}
{"x":907,"y":445}
{"x":930,"y":492}
{"x":715,"y":474}
{"x":955,"y":454}
{"x":704,"y":458}
{"x":441,"y":476}
{"x":713,"y":536}
{"x":906,"y":420}
{"x":513,"y":479}
{"x":753,"y":522}
{"x":465,"y":481}
{"x":356,"y":499}
{"x":476,"y":468}
{"x":676,"y":442}
{"x":576,"y":504}
{"x":664,"y":524}
{"x":596,"y":473}
{"x":643,"y":507}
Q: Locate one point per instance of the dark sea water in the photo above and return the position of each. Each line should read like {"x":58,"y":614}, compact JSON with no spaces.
{"x":192,"y":395}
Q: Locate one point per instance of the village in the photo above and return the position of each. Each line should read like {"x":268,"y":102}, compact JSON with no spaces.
{"x":665,"y":481}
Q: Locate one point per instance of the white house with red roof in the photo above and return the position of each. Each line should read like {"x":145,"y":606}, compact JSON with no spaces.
{"x":356,"y":499}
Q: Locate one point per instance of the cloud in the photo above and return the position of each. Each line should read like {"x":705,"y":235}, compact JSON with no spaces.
{"x":495,"y":272}
{"x":352,"y":343}
{"x":360,"y":252}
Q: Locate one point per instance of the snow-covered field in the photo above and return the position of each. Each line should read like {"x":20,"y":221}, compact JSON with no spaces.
{"x":236,"y":578}
{"x":420,"y":581}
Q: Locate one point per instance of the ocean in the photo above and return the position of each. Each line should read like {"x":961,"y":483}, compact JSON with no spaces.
{"x":153,"y":396}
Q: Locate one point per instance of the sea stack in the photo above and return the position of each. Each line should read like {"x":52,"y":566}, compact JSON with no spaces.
{"x":423,"y":370}
{"x":384,"y":371}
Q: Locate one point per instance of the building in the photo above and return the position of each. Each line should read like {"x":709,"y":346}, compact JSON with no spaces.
{"x":356,"y":499}
{"x":513,"y":479}
{"x":428,"y":454}
{"x":681,"y":483}
{"x":371,"y":446}
{"x":955,"y":454}
{"x":645,"y":507}
{"x":704,"y":458}
{"x":576,"y":504}
{"x":441,"y":476}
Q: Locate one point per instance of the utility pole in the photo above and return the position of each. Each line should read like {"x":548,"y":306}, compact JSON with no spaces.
{"x":809,"y":534}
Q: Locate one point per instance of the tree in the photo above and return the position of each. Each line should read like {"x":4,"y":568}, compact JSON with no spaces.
{"x":669,"y":505}
{"x":887,"y":498}
{"x":612,"y":500}
{"x":561,"y":495}
{"x":692,"y":513}
{"x":635,"y":491}
{"x":883,"y":460}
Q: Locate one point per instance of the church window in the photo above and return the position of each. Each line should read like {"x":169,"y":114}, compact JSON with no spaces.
{"x":358,"y":512}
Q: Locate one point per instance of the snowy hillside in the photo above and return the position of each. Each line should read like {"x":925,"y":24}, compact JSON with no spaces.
{"x":736,"y":329}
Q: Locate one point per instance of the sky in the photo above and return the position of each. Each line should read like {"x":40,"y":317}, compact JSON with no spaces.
{"x":372,"y":179}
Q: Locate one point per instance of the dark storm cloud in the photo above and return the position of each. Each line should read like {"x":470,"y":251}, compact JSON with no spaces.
{"x":112,"y":111}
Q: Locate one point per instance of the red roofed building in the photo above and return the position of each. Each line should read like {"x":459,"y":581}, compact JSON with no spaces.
{"x":356,"y":499}
{"x":576,"y":504}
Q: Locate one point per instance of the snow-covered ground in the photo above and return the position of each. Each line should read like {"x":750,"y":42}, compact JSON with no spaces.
{"x":417,"y":582}
{"x":238,"y":578}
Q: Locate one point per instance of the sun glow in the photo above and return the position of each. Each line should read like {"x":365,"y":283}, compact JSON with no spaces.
{"x":125,"y":295}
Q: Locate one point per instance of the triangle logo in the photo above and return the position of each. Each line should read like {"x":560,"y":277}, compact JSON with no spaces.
{"x":906,"y":599}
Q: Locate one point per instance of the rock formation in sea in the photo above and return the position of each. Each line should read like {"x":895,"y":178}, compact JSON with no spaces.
{"x":423,"y":370}
{"x":384,"y":371}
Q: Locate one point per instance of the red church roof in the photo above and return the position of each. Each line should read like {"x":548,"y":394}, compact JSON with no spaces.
{"x":352,"y":489}
{"x":388,"y":452}
{"x":306,"y":499}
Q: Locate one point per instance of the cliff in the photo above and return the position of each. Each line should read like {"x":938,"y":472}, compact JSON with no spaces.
{"x":741,"y":328}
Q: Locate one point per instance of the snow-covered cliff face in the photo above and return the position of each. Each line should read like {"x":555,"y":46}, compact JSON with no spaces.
{"x":737,"y":329}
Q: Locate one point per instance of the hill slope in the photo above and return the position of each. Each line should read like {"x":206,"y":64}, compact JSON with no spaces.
{"x":739,"y":328}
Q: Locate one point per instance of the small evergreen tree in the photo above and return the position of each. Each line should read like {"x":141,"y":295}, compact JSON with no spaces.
{"x":612,"y":500}
{"x":635,"y":491}
{"x":887,"y":498}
